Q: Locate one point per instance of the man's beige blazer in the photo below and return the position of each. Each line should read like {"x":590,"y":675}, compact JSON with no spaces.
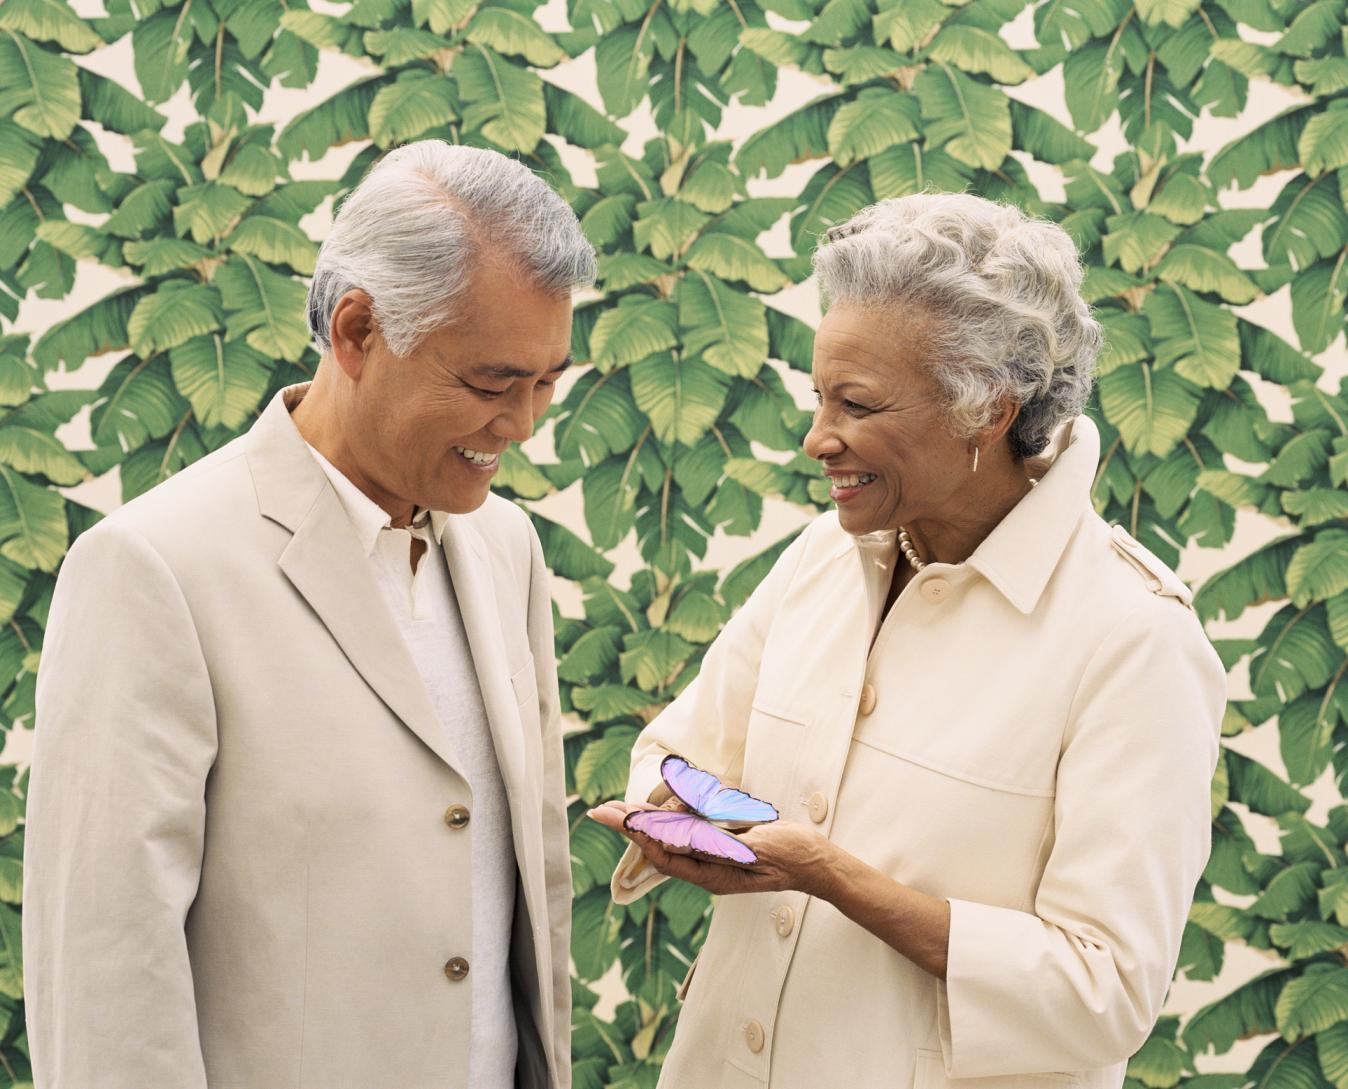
{"x":1031,"y":736}
{"x":240,"y":871}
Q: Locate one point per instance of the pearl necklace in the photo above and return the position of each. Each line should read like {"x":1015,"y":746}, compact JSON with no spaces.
{"x":906,"y":545}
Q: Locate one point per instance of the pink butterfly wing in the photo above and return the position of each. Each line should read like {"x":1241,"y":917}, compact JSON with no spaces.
{"x":689,"y":830}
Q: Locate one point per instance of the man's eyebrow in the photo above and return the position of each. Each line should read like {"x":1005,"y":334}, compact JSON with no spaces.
{"x":508,"y":370}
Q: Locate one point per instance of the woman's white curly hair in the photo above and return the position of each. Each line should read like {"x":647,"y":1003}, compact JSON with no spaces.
{"x":1003,"y":292}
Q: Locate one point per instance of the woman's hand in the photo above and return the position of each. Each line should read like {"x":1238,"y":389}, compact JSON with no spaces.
{"x":790,"y":856}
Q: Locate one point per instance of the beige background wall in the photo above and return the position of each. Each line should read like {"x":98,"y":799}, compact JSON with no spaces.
{"x":794,"y":89}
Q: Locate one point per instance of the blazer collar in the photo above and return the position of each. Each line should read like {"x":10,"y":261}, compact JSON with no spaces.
{"x":367,"y":516}
{"x":1022,"y":552}
{"x":325,"y":564}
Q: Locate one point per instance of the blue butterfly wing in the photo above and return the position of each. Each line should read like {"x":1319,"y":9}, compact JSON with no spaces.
{"x":703,"y":792}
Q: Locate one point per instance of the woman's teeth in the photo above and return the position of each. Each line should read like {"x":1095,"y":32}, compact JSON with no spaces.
{"x":853,"y":481}
{"x":477,"y":457}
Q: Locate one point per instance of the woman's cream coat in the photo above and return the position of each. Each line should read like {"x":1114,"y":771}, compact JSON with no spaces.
{"x":1031,"y":737}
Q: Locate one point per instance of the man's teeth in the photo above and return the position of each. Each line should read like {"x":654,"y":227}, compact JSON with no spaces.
{"x":477,"y":457}
{"x":853,"y":481}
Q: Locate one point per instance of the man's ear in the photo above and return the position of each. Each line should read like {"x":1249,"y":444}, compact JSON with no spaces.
{"x":353,"y":332}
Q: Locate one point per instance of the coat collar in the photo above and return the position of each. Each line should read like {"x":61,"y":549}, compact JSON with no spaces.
{"x":1020,"y":555}
{"x":325,"y":564}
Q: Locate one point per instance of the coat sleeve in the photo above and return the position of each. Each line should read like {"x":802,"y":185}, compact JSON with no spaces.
{"x":707,"y":723}
{"x":1079,"y":983}
{"x":125,"y":738}
{"x":556,"y":827}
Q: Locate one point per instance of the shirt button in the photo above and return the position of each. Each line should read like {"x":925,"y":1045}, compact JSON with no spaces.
{"x":456,"y":968}
{"x":785,"y":920}
{"x":457,"y":816}
{"x":818,"y":807}
{"x":867,"y":699}
{"x":754,"y":1036}
{"x":935,"y":589}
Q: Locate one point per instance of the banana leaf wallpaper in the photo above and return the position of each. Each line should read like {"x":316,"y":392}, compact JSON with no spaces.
{"x":167,"y":168}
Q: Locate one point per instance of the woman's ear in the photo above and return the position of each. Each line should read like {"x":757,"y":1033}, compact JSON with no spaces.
{"x":353,"y":332}
{"x":1006,"y":416}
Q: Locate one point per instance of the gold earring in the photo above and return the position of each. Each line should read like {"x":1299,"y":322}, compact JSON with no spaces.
{"x":975,"y":459}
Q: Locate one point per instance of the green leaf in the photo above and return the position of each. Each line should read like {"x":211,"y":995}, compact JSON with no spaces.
{"x":681,"y":398}
{"x":99,"y":328}
{"x":207,"y":211}
{"x":39,"y":90}
{"x":969,"y":120}
{"x":1045,"y":137}
{"x":875,"y":120}
{"x":276,"y":242}
{"x":1091,"y":75}
{"x":901,"y":171}
{"x":173,"y":315}
{"x":907,"y":24}
{"x":733,"y":258}
{"x":622,"y":61}
{"x":1313,"y":1002}
{"x":1200,"y":340}
{"x":1314,"y":26}
{"x":592,"y":655}
{"x":1318,"y":297}
{"x":979,"y":52}
{"x":796,"y":137}
{"x":632,"y":330}
{"x":728,"y":328}
{"x":1202,"y":269}
{"x":401,"y":45}
{"x":1153,"y":409}
{"x":114,"y":107}
{"x":567,"y":555}
{"x":515,"y":35}
{"x":1269,"y":148}
{"x":33,"y":529}
{"x":1271,"y":357}
{"x":1174,"y":13}
{"x":223,"y":380}
{"x":504,"y":100}
{"x":1319,"y":570}
{"x":1324,"y":141}
{"x":49,"y":21}
{"x":161,"y":45}
{"x":265,"y":308}
{"x":1309,"y":223}
{"x":252,"y":170}
{"x":417,"y":102}
{"x":338,"y":120}
{"x":576,"y":121}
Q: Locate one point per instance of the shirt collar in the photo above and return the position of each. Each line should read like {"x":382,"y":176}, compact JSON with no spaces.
{"x":368,"y":517}
{"x":1019,"y":556}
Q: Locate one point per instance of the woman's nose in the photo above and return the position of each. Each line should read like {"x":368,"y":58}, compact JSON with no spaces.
{"x":820,"y":441}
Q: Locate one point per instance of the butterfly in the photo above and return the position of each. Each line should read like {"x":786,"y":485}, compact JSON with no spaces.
{"x":712,"y":804}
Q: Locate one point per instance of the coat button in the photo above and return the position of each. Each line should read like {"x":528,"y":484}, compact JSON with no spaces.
{"x":457,"y":816}
{"x":754,"y":1036}
{"x":818,"y":807}
{"x":785,"y":920}
{"x":456,"y":968}
{"x":867,"y":699}
{"x":935,"y":589}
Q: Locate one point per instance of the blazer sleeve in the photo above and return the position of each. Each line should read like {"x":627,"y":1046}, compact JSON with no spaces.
{"x":125,"y":738}
{"x":707,"y":723}
{"x":556,"y":826}
{"x":1079,"y":983}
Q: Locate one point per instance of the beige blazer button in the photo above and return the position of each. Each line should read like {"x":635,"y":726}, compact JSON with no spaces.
{"x":935,"y":589}
{"x":867,"y":699}
{"x":818,"y":807}
{"x":456,"y":968}
{"x":785,"y":920}
{"x":457,"y":816}
{"x":754,"y":1036}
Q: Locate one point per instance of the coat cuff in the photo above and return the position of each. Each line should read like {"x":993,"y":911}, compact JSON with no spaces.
{"x":633,"y":877}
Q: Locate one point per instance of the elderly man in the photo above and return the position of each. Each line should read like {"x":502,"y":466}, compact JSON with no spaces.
{"x":296,"y":815}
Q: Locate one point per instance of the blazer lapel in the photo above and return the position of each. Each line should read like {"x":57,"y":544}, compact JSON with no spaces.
{"x":470,"y":573}
{"x":325,"y":564}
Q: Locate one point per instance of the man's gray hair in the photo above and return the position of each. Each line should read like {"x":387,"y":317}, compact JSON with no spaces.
{"x":1003,"y":291}
{"x":411,"y":233}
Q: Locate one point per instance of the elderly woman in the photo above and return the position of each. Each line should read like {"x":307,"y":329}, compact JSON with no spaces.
{"x":987,"y":719}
